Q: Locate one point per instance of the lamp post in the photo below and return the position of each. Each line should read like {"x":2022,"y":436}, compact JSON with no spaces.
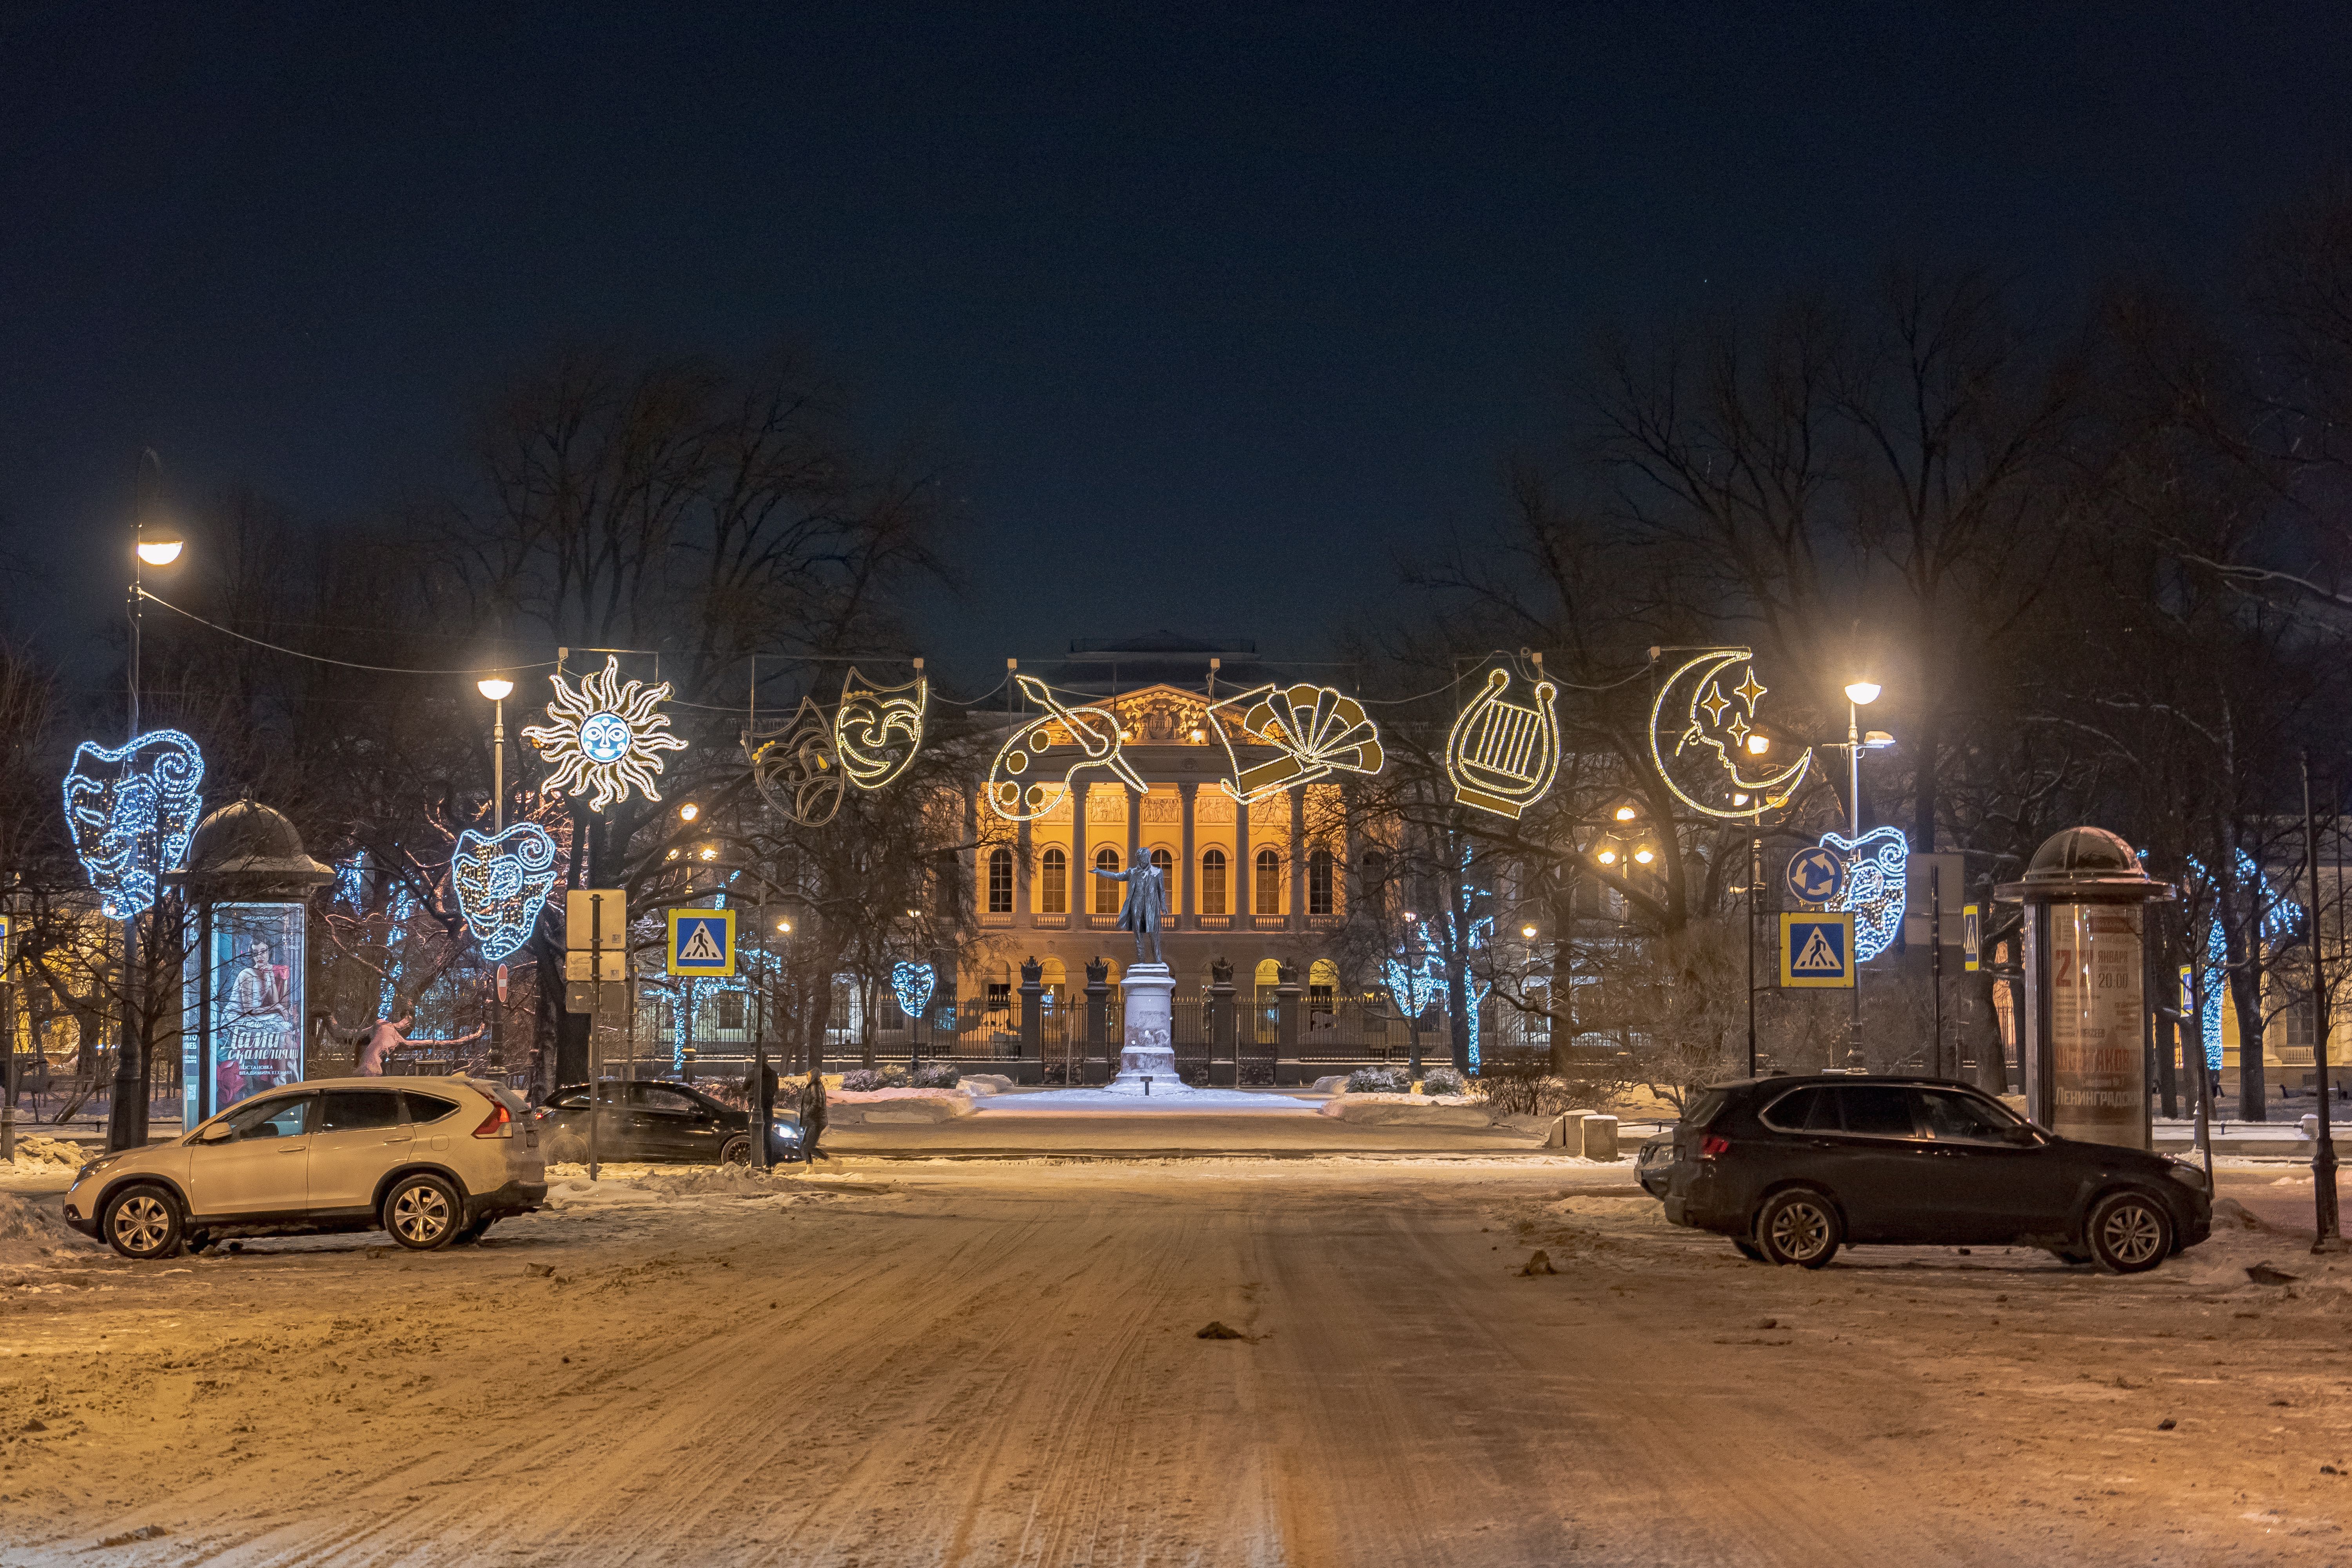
{"x":497,"y":689}
{"x":1859,"y":694}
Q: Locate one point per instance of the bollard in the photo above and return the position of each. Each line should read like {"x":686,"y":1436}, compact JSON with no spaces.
{"x":1600,"y":1137}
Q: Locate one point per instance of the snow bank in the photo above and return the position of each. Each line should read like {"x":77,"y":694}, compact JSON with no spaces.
{"x":886,"y":1106}
{"x":1410,"y":1111}
{"x":30,"y":1234}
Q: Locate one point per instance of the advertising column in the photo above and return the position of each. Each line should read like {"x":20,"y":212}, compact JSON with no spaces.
{"x":2098,"y":1064}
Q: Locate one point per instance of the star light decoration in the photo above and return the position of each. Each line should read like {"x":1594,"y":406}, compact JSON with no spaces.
{"x":604,"y":736}
{"x":131,"y":810}
{"x":502,"y":884}
{"x":912,"y":984}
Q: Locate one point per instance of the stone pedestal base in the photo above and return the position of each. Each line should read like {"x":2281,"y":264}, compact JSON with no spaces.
{"x":1149,"y":1050}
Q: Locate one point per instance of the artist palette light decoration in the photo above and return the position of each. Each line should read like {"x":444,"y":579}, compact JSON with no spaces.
{"x":502,"y":884}
{"x":606,"y":735}
{"x":1502,"y":756}
{"x":797,"y":768}
{"x":1022,"y":782}
{"x":1318,"y":731}
{"x":877,"y":730}
{"x":1700,"y":726}
{"x":131,"y":810}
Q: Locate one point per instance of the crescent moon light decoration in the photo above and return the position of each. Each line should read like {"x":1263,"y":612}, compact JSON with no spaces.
{"x":1698,"y":738}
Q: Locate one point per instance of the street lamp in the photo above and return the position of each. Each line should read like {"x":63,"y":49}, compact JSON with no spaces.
{"x":497,"y":689}
{"x":154,"y":543}
{"x":1859,"y":695}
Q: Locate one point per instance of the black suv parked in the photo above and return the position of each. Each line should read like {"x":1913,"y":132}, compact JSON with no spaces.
{"x":1792,"y":1168}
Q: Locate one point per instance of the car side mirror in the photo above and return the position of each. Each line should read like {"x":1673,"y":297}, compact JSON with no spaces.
{"x":2024,"y":1137}
{"x":218,"y":1132}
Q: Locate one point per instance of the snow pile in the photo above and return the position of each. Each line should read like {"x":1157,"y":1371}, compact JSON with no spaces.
{"x":1411,"y":1109}
{"x":30,"y":1233}
{"x":37,"y":1149}
{"x":886,"y":1106}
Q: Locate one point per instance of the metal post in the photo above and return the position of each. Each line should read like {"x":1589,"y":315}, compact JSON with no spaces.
{"x":1853,"y":1058}
{"x":1755,"y":879}
{"x":595,"y":1022}
{"x":1936,"y":967}
{"x":2323,"y":1157}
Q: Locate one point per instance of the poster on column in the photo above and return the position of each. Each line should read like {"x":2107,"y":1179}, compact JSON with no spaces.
{"x":256,"y":959}
{"x":2098,"y":1060}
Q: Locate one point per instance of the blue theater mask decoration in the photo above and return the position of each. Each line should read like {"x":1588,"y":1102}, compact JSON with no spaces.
{"x":1876,"y":887}
{"x":502,"y":883}
{"x":131,"y":810}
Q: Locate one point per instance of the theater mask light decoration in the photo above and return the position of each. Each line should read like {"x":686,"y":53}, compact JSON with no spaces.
{"x":1317,"y":730}
{"x":1502,"y":756}
{"x":877,"y":730}
{"x":605,"y":735}
{"x":1020,"y":783}
{"x":502,"y":884}
{"x":131,"y":810}
{"x":797,"y":768}
{"x":912,"y":984}
{"x":1704,"y":739}
{"x":1877,"y":887}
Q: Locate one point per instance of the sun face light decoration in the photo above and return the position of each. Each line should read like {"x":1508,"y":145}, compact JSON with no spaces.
{"x":131,"y":810}
{"x":1318,"y":731}
{"x":1877,"y":886}
{"x":1501,"y":757}
{"x":605,"y":736}
{"x":1713,"y":760}
{"x":502,"y":884}
{"x":912,"y":984}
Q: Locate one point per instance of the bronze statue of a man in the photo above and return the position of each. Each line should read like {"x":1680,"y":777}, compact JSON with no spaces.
{"x":1147,"y":902}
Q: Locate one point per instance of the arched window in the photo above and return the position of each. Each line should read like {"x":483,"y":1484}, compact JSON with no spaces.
{"x":1212,"y":881}
{"x":1318,"y":882}
{"x":1165,"y":864}
{"x":1106,"y":891}
{"x":999,"y":881}
{"x":1054,"y":884}
{"x":1269,"y":882}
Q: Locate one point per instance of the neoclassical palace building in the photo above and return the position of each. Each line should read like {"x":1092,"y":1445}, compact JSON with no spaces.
{"x":1258,"y":885}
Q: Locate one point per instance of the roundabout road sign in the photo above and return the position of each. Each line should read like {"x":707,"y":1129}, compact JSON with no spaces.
{"x":1816,"y":875}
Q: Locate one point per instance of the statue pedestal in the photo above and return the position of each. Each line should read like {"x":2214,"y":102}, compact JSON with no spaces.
{"x":1149,"y":1049}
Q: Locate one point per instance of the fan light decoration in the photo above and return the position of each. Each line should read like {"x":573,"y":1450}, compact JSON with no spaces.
{"x":605,"y":736}
{"x":912,"y":984}
{"x":798,"y":768}
{"x":502,"y":884}
{"x":1710,"y":723}
{"x":131,"y":810}
{"x":1501,"y":757}
{"x":1877,"y":886}
{"x":877,"y":730}
{"x":1318,"y":732}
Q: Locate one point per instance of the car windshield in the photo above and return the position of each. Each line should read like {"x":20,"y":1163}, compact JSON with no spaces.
{"x":1964,"y":1119}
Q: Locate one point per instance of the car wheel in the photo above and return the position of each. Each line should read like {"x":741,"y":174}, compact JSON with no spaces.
{"x":2071,"y":1256}
{"x":421,"y":1213}
{"x":567,"y":1148}
{"x":2128,"y":1233}
{"x":1798,"y":1227}
{"x":143,"y":1222}
{"x":197,"y":1240}
{"x":736,"y":1151}
{"x":1749,"y":1249}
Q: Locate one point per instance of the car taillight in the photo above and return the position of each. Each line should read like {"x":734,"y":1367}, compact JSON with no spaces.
{"x":497,"y":1124}
{"x":1713,"y":1145}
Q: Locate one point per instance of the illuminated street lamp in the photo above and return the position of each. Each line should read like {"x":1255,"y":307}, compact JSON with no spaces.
{"x":497,"y":689}
{"x":1859,"y":694}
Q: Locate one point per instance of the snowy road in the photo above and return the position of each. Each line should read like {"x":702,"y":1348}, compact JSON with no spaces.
{"x":996,"y":1363}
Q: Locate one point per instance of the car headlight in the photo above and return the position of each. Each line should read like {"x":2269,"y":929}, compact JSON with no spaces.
{"x":2187,"y":1172}
{"x":95,"y":1166}
{"x":788,"y":1130}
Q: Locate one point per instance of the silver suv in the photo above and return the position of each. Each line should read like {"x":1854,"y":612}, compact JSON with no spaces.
{"x":432,"y":1159}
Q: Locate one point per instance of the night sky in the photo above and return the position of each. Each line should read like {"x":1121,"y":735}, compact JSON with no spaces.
{"x":1209,"y":310}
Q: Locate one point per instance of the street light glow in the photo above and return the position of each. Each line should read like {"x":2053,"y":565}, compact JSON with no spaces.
{"x":1528,"y":931}
{"x":1625,"y":813}
{"x":1758,"y":744}
{"x":784,"y":926}
{"x":1644,"y":856}
{"x":1862,"y":693}
{"x":1607,"y":857}
{"x":496,"y":688}
{"x":688,"y":812}
{"x":161,"y":551}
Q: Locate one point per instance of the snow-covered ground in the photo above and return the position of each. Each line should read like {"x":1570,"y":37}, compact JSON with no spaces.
{"x":997,"y":1363}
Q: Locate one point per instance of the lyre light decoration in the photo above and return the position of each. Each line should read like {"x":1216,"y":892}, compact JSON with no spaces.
{"x":797,"y":769}
{"x":1877,"y":886}
{"x":1501,"y":757}
{"x":132,"y":809}
{"x":877,"y":730}
{"x":606,"y":735}
{"x":1318,"y":731}
{"x":1021,"y":787}
{"x":502,"y":883}
{"x":912,"y":984}
{"x":1710,"y":723}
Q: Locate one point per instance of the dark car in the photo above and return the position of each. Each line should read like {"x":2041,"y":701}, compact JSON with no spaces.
{"x":1792,"y":1168}
{"x":660,"y":1120}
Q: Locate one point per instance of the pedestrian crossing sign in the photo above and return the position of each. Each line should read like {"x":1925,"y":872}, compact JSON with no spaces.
{"x":702,"y":942}
{"x":1817,"y":950}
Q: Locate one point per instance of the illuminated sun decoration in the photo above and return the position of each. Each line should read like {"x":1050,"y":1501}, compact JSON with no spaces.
{"x":1876,"y":887}
{"x":131,"y":810}
{"x":605,"y":736}
{"x":1709,"y":723}
{"x":1318,"y":732}
{"x":1503,"y":757}
{"x":502,"y":883}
